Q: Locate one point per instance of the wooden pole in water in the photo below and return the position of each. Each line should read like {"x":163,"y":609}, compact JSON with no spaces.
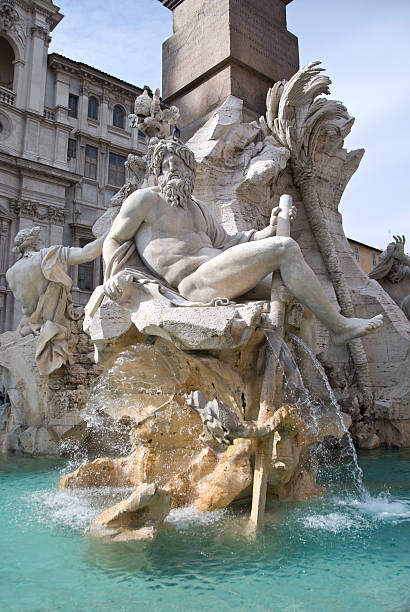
{"x":271,"y":380}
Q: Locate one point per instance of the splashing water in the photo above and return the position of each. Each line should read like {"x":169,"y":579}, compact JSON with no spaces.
{"x":381,"y":507}
{"x":127,"y":392}
{"x":311,"y":410}
{"x":72,"y":510}
{"x":349,"y":449}
{"x":185,"y":518}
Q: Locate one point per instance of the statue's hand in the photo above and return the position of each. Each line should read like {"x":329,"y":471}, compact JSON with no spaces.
{"x":115,"y":286}
{"x":399,"y":247}
{"x":274,"y":215}
{"x":273,"y":221}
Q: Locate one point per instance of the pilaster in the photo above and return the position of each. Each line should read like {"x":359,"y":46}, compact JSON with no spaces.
{"x":37,"y":69}
{"x":62,"y":85}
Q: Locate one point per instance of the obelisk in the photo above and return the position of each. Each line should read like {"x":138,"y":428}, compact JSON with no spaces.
{"x":225,"y":47}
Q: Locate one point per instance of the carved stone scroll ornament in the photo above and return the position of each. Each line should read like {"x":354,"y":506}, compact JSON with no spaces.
{"x":8,"y":15}
{"x":37,"y":211}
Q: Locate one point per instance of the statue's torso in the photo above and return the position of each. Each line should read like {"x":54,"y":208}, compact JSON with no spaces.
{"x":172,"y":241}
{"x":27,"y":281}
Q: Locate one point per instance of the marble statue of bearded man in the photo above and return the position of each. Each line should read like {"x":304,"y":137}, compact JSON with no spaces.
{"x":178,"y":241}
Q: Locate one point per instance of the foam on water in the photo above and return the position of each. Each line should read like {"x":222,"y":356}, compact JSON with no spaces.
{"x":334,"y":522}
{"x":381,"y":507}
{"x":183,"y":518}
{"x":72,"y":509}
{"x":358,"y":514}
{"x":76,"y":509}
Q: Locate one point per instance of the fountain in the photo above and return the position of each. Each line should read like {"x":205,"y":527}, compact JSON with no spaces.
{"x":206,"y":389}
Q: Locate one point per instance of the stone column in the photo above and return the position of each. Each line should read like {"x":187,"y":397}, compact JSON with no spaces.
{"x":4,"y":248}
{"x":5,"y":294}
{"x":74,"y":269}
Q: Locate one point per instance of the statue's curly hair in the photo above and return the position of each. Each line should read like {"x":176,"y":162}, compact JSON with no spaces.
{"x":163,"y":147}
{"x":22,"y":236}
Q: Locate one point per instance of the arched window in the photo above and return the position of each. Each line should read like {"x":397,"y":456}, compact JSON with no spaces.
{"x":93,"y":107}
{"x":6,"y":64}
{"x":118,"y":117}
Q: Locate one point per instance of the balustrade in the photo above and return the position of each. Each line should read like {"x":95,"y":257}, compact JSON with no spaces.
{"x":7,"y":96}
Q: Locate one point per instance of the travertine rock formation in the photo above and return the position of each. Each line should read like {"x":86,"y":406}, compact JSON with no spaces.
{"x":135,"y":518}
{"x":42,"y":409}
{"x":151,"y":382}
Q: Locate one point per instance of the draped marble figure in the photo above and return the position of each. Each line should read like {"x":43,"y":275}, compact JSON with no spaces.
{"x":39,"y":281}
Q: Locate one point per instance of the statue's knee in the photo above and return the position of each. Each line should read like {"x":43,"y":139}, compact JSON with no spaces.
{"x":289,"y":245}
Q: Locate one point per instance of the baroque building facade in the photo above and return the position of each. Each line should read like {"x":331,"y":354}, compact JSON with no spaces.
{"x":64,"y":138}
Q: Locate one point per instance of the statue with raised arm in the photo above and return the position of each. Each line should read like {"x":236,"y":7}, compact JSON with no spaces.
{"x":394,"y":267}
{"x":393,"y":264}
{"x":39,"y":281}
{"x":176,"y":241}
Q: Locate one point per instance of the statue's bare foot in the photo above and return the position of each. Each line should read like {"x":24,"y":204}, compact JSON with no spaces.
{"x":355,"y":328}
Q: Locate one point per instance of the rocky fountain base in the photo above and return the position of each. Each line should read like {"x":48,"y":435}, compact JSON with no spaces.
{"x":161,"y":367}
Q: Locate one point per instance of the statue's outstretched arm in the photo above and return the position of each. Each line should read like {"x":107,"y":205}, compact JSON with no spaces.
{"x":78,"y":255}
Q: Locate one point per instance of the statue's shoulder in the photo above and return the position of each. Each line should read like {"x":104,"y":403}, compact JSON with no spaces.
{"x":138,"y":204}
{"x":22,"y":268}
{"x":147,"y":195}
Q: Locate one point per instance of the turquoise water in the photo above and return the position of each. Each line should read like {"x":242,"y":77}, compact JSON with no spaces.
{"x":334,"y":554}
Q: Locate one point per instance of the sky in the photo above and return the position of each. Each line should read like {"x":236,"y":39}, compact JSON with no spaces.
{"x":364,"y":46}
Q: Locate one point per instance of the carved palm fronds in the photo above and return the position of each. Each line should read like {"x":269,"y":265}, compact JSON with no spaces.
{"x":297,"y":116}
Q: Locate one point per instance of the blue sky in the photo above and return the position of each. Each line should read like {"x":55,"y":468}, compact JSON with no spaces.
{"x":364,"y":46}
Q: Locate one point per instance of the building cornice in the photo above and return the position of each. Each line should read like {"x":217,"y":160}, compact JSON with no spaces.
{"x":37,"y":116}
{"x":32,"y":167}
{"x":368,"y":246}
{"x":83,"y":71}
{"x":47,"y":9}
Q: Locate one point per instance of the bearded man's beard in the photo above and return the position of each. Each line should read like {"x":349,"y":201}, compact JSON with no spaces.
{"x":176,"y":190}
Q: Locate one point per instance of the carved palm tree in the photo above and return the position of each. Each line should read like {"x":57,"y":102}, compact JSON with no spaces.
{"x":296,"y":118}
